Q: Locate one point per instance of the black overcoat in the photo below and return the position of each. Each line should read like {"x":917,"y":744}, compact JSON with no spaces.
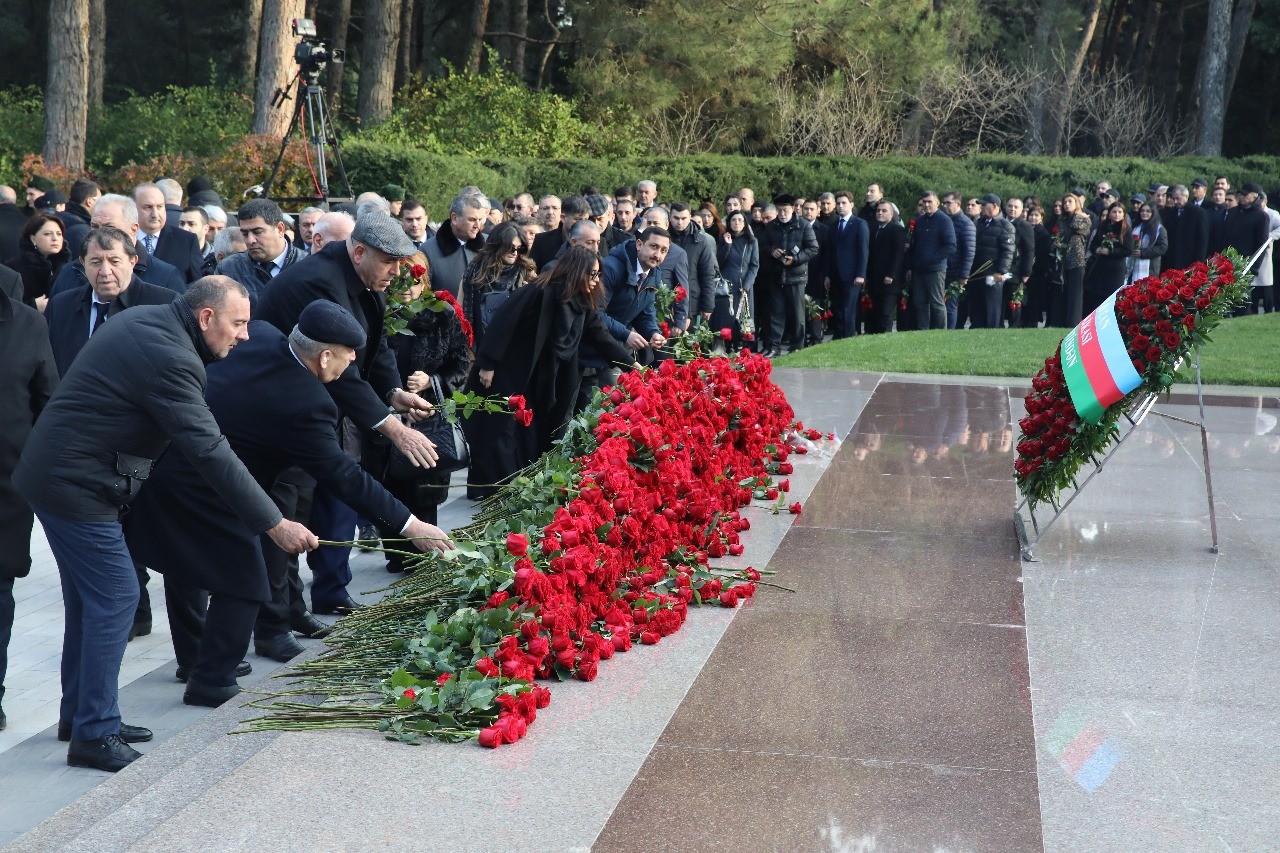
{"x":888,"y":251}
{"x":69,"y":315}
{"x":276,"y":414}
{"x":27,"y":380}
{"x":361,"y":391}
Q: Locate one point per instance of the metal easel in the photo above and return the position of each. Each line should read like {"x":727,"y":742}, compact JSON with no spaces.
{"x":1135,"y":412}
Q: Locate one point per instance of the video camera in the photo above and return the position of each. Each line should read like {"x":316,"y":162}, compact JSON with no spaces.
{"x":312,"y":53}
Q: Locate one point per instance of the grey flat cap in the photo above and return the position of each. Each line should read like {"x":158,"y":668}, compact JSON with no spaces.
{"x":379,"y":231}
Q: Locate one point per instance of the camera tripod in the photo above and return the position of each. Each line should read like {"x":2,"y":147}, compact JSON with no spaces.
{"x":320,"y":134}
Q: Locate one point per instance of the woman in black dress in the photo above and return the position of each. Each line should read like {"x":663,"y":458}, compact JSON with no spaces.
{"x":1112,"y":247}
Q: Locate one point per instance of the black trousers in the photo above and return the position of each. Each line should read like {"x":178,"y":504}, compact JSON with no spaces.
{"x":7,"y":610}
{"x":292,"y":493}
{"x":984,"y":304}
{"x":884,"y":308}
{"x":786,"y":316}
{"x":210,"y":632}
{"x":1068,"y":306}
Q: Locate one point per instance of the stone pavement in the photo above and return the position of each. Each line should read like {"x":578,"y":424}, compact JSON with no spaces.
{"x":923,"y":689}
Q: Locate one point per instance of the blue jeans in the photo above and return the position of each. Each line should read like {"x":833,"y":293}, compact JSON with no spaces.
{"x":99,"y":596}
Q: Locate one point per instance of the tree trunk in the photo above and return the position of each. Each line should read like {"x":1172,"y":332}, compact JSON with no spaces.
{"x":378,"y":61}
{"x":341,"y":25}
{"x":66,"y":96}
{"x":1059,"y":126}
{"x":427,"y":47}
{"x":404,"y":49}
{"x":249,"y":47}
{"x":479,"y":19}
{"x":276,"y":68}
{"x":1036,"y":115}
{"x":1212,"y":74}
{"x":519,"y":26}
{"x":97,"y":50}
{"x":1240,"y":23}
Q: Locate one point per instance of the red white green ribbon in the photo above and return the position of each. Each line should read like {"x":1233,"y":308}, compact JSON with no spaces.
{"x":1096,"y":363}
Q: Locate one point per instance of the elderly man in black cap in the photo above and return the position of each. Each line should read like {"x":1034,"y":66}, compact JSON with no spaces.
{"x":786,"y":248}
{"x":992,"y":261}
{"x":353,"y":273}
{"x":269,"y":400}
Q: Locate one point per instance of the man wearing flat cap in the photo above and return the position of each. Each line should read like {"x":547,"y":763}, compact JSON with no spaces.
{"x":269,"y":400}
{"x":352,"y":273}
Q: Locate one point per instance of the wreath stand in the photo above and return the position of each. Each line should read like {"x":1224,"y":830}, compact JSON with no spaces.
{"x":1134,"y":413}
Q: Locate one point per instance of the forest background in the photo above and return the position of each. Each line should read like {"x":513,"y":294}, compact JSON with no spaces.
{"x":703,"y":94}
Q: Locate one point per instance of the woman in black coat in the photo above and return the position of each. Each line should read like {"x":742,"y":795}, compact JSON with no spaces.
{"x":42,"y":253}
{"x":436,"y":348}
{"x":738,"y":252}
{"x":1046,"y":274}
{"x":532,"y":350}
{"x":1112,"y":247}
{"x":498,"y":269}
{"x":27,"y":380}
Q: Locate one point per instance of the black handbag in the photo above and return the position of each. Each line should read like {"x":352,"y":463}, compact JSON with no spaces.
{"x":452,"y":449}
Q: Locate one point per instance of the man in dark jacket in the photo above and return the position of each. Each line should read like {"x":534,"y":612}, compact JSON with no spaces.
{"x":457,"y":242}
{"x":885,"y":263}
{"x":270,"y":403}
{"x":631,"y":278}
{"x":1248,"y":226}
{"x":993,"y":254}
{"x":12,"y":221}
{"x":602,"y":215}
{"x":847,"y":248}
{"x":163,"y":239}
{"x":74,"y":315}
{"x":77,"y":218}
{"x":817,"y":284}
{"x":1188,"y":228}
{"x":353,"y":273}
{"x":703,"y":269}
{"x":547,"y":244}
{"x":11,"y":283}
{"x":27,"y":379}
{"x":867,"y":214}
{"x":268,"y":251}
{"x":933,"y":242}
{"x":143,"y":380}
{"x":787,"y":248}
{"x":118,"y":211}
{"x":1024,"y":256}
{"x":674,"y":269}
{"x":961,"y":260}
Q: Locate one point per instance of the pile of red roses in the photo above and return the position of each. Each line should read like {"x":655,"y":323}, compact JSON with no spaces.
{"x":1160,"y":320}
{"x":603,"y":546}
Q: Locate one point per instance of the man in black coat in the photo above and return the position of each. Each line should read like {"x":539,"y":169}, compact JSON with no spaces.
{"x":163,"y":239}
{"x":354,"y":274}
{"x":27,"y":380}
{"x":12,"y":221}
{"x":77,"y":218}
{"x":786,"y":250}
{"x":119,"y":211}
{"x":817,"y":284}
{"x":1188,"y":228}
{"x":1248,"y":226}
{"x":269,"y":400}
{"x":547,"y":244}
{"x":703,"y":268}
{"x":847,"y":247}
{"x":886,"y":256}
{"x":138,"y":388}
{"x":74,"y":315}
{"x":993,"y":255}
{"x":1024,"y":256}
{"x":11,"y":283}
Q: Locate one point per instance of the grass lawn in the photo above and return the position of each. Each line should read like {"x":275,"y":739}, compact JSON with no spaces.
{"x":1244,"y":351}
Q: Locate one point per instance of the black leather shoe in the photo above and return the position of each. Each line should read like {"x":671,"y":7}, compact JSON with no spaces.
{"x":4,"y":721}
{"x":128,"y":733}
{"x":109,"y":753}
{"x":310,"y":627}
{"x":242,"y":669}
{"x":141,"y":628}
{"x":207,"y":695}
{"x":342,"y":608}
{"x":282,"y":647}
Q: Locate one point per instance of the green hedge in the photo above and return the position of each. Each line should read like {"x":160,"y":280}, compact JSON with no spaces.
{"x":435,"y":178}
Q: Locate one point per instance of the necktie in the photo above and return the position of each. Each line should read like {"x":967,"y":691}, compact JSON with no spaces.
{"x":150,"y":240}
{"x":843,"y":222}
{"x":268,"y":267}
{"x":101,"y":316}
{"x":644,"y":276}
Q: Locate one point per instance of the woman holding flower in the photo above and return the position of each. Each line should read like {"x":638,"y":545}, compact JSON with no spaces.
{"x":1073,"y":227}
{"x":1150,"y":242}
{"x":1112,"y":247}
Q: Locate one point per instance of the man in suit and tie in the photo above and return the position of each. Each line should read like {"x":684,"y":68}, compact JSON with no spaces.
{"x":887,"y":251}
{"x":119,"y":211}
{"x":268,"y":251}
{"x":1188,"y":228}
{"x":847,"y":250}
{"x":162,"y":239}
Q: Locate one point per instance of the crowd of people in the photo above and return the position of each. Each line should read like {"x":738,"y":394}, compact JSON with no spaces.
{"x":257,"y":343}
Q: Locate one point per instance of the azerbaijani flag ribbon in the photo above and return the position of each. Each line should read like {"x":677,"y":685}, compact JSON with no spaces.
{"x":1096,"y":363}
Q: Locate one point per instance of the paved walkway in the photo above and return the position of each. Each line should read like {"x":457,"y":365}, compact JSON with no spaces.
{"x":923,"y":689}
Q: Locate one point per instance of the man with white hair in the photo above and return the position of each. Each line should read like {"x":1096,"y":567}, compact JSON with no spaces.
{"x":646,"y":195}
{"x":332,"y":226}
{"x":119,"y":211}
{"x":307,"y":219}
{"x":217,"y":221}
{"x":172,"y":191}
{"x":367,"y":202}
{"x":457,"y":242}
{"x":164,"y":239}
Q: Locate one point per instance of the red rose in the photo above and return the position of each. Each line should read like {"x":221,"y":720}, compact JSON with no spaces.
{"x":418,"y":271}
{"x":728,"y":598}
{"x":784,"y":486}
{"x":726,"y":334}
{"x":1187,"y":292}
{"x":648,"y":638}
{"x":795,"y":508}
{"x":1153,"y":355}
{"x":1172,"y":340}
{"x":524,"y":417}
{"x":517,"y":544}
{"x":1176,"y":309}
{"x":1151,"y":312}
{"x":486,"y":667}
{"x":681,"y":294}
{"x":444,"y":677}
{"x":498,"y":598}
{"x":517,"y":402}
{"x":490,"y":737}
{"x":1189,"y":321}
{"x":410,"y":694}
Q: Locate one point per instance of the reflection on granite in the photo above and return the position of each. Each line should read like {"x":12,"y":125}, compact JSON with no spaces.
{"x":888,"y":698}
